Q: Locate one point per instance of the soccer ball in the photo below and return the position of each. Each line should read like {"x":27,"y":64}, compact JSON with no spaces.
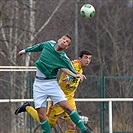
{"x":87,"y":11}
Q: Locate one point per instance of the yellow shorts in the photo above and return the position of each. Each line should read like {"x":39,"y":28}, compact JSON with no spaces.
{"x":54,"y":111}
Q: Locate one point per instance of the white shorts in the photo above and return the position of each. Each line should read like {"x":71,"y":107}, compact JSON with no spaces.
{"x":42,"y":89}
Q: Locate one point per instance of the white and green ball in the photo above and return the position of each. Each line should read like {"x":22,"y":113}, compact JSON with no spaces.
{"x":87,"y":11}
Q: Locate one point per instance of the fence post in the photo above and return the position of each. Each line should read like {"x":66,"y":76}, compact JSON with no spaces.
{"x":31,"y":96}
{"x":104,"y":105}
{"x":110,"y":117}
{"x":101,"y":103}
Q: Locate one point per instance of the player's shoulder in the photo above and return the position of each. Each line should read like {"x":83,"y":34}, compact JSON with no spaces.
{"x":75,"y":61}
{"x":50,"y":42}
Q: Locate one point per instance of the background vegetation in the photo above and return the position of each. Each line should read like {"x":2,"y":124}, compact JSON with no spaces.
{"x":108,"y":36}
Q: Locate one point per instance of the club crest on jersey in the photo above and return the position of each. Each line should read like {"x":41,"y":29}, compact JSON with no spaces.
{"x":68,"y":86}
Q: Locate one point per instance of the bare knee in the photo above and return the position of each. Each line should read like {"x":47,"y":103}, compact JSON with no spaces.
{"x":41,"y":116}
{"x":41,"y":113}
{"x":65,"y":105}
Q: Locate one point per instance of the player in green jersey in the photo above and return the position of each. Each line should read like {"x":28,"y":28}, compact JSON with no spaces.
{"x":45,"y":85}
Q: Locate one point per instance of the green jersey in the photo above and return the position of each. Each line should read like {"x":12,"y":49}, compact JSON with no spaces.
{"x":50,"y":60}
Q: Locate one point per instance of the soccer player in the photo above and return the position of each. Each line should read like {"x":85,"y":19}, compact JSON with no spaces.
{"x":45,"y":85}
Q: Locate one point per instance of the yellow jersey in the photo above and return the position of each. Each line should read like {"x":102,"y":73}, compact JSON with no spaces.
{"x":70,"y":87}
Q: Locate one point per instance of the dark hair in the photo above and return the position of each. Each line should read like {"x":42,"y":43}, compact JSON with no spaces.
{"x":68,"y":36}
{"x":82,"y":52}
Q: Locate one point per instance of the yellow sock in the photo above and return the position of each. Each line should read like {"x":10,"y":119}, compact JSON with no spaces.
{"x":69,"y":131}
{"x":32,"y":112}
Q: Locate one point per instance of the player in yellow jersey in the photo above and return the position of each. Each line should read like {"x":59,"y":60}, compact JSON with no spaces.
{"x":69,"y":88}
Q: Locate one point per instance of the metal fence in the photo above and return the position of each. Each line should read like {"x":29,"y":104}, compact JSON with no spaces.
{"x":18,"y":85}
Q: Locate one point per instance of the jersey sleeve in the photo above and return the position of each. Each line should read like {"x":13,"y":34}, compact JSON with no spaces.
{"x":38,"y":47}
{"x":66,"y":63}
{"x":35,"y":48}
{"x":77,"y":66}
{"x":71,"y":68}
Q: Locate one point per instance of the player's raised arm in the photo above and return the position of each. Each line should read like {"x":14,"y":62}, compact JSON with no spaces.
{"x":68,"y":72}
{"x":35,"y":48}
{"x":22,"y":52}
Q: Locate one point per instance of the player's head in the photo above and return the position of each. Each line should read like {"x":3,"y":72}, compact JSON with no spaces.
{"x":85,"y":57}
{"x":68,"y":36}
{"x":64,"y":41}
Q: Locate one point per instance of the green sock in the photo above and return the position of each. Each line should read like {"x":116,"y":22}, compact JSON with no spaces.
{"x":77,"y":120}
{"x":45,"y":126}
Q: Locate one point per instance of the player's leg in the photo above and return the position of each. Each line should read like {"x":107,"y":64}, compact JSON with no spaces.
{"x":44,"y":123}
{"x":30,"y":110}
{"x":43,"y":120}
{"x":73,"y":115}
{"x":53,"y":113}
{"x":40,"y":100}
{"x":70,"y":125}
{"x":26,"y":107}
{"x":59,"y":98}
{"x":22,"y":108}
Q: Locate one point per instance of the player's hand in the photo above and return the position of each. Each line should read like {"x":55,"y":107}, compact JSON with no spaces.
{"x":81,"y":76}
{"x":22,"y":52}
{"x":66,"y":79}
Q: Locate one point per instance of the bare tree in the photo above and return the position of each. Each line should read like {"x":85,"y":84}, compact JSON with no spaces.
{"x":108,"y":35}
